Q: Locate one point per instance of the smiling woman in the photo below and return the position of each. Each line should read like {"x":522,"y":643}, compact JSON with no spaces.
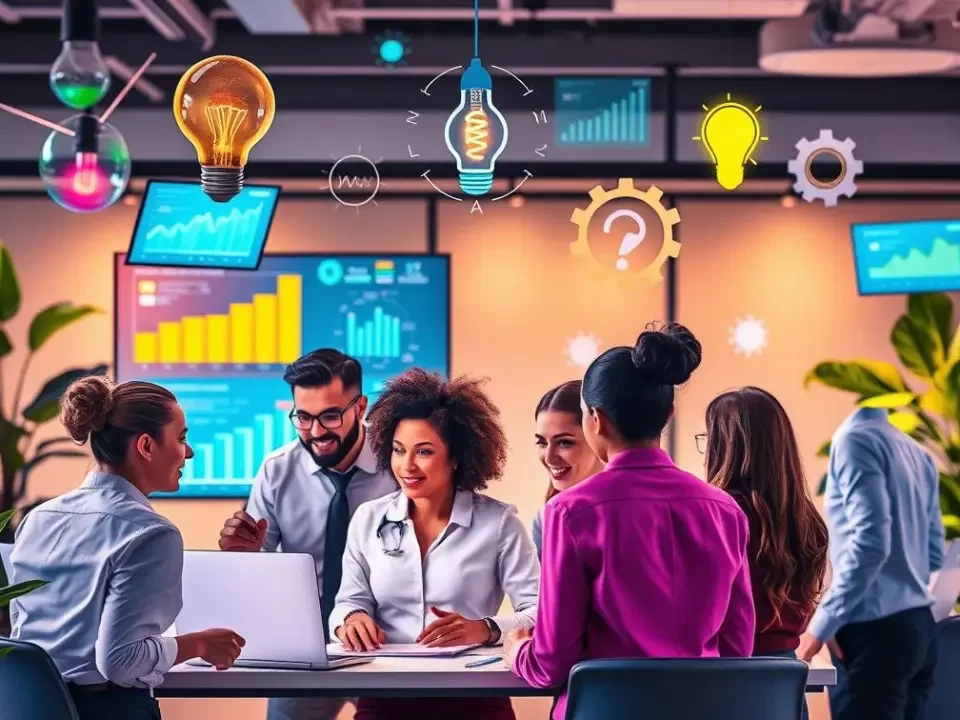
{"x":443,"y":583}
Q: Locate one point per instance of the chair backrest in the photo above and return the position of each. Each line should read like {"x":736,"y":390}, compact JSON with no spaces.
{"x":945,"y":695}
{"x":30,"y":684}
{"x":687,"y":689}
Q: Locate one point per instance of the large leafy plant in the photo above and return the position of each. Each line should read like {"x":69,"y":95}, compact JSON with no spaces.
{"x":927,"y":408}
{"x":9,"y":592}
{"x":19,"y":422}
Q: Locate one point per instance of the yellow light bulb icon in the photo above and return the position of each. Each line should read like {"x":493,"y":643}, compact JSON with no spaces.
{"x":224,"y":105}
{"x":730,"y":133}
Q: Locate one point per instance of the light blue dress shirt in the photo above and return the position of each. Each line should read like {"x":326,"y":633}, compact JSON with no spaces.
{"x":482,"y":555}
{"x":114,"y":571}
{"x":293,"y":494}
{"x":886,"y":530}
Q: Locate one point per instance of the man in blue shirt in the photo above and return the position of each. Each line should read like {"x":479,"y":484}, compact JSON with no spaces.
{"x":886,"y":537}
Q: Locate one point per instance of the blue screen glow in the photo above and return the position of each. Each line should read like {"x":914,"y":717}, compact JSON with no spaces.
{"x":180,"y":226}
{"x":907,"y":257}
{"x":220,"y":340}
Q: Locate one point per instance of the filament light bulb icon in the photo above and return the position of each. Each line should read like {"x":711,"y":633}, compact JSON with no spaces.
{"x":224,"y":105}
{"x":476,"y":132}
{"x":730,"y":133}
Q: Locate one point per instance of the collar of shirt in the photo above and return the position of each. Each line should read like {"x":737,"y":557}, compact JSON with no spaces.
{"x":462,"y":513}
{"x":366,"y":461}
{"x":109,"y":481}
{"x":640,"y":457}
{"x":868,"y":414}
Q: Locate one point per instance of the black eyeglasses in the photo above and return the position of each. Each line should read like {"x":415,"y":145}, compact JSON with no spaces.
{"x":701,"y":440}
{"x":329,"y":419}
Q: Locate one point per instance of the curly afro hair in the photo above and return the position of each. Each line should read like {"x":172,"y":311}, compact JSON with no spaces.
{"x":461,"y":413}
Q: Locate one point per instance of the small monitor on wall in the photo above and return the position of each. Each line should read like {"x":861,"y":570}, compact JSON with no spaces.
{"x":179,"y":226}
{"x":907,"y":257}
{"x":221,"y":339}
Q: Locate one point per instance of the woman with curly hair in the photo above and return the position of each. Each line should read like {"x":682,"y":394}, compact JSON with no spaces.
{"x":431,"y":563}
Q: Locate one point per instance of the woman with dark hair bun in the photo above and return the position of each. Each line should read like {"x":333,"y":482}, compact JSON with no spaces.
{"x":562,"y":448}
{"x":644,"y":560}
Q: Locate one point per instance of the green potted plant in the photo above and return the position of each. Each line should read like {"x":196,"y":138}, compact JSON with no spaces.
{"x":19,"y":454}
{"x":927,"y":407}
{"x":9,"y":592}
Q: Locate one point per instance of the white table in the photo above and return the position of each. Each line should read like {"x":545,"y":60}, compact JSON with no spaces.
{"x":384,"y":677}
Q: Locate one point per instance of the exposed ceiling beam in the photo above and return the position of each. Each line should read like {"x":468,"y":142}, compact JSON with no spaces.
{"x":197,"y":20}
{"x":8,"y":14}
{"x":123,"y":71}
{"x":506,"y":11}
{"x":159,"y":20}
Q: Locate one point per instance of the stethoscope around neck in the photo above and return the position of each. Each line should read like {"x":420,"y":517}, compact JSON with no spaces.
{"x":400,"y":525}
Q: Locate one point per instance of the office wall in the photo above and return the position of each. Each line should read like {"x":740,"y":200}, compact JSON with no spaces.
{"x":518,"y":297}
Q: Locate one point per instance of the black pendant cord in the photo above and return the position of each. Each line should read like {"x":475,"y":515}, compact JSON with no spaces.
{"x":80,"y":22}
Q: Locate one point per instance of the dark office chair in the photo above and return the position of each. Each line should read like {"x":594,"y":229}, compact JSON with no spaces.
{"x":945,"y":696}
{"x":682,"y":689}
{"x":30,"y":684}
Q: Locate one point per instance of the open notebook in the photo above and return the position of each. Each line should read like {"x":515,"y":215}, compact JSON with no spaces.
{"x":401,"y":650}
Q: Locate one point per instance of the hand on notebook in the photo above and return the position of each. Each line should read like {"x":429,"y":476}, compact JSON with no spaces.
{"x":242,"y":532}
{"x":452,"y":629}
{"x":360,"y":632}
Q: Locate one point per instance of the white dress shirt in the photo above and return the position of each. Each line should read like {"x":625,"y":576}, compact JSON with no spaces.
{"x":483,"y":552}
{"x":293,"y":494}
{"x":114,"y":571}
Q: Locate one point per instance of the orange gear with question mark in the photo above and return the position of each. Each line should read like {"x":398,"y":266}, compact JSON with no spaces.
{"x":626,"y":189}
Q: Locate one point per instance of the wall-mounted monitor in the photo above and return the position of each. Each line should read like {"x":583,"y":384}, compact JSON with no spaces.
{"x":220,"y":340}
{"x":180,"y":226}
{"x":907,"y":257}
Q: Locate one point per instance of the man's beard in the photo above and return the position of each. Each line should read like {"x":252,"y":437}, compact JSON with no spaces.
{"x":342,"y":449}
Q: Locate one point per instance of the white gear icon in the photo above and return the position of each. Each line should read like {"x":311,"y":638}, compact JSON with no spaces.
{"x":812,"y":189}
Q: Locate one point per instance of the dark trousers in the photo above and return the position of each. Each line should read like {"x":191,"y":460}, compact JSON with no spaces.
{"x":887,"y":668}
{"x":114,"y":703}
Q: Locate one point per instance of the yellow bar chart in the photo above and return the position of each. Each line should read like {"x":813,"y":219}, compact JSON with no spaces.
{"x":264,"y":330}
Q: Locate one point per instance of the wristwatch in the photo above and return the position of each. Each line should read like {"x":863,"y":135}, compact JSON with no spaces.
{"x":494,"y":631}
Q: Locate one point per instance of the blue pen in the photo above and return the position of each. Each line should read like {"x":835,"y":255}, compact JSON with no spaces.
{"x":484,"y":661}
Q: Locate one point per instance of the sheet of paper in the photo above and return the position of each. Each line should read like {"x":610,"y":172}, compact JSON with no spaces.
{"x":401,"y":650}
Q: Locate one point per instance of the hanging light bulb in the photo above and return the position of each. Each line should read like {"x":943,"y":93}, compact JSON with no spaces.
{"x":87,"y":171}
{"x":224,"y":105}
{"x":79,"y":77}
{"x":476,"y":132}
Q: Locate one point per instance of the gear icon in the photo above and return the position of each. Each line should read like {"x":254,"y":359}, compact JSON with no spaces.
{"x":625,"y":189}
{"x":812,"y":189}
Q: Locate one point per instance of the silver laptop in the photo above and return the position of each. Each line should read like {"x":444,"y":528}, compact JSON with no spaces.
{"x":270,"y":599}
{"x":945,"y":588}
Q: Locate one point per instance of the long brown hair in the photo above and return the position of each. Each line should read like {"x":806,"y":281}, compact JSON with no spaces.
{"x":752,"y":454}
{"x":563,"y":398}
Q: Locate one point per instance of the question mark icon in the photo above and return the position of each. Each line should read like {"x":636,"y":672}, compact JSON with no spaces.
{"x":630,"y":241}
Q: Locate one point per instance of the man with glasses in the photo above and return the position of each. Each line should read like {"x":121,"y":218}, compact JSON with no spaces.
{"x":307,"y":491}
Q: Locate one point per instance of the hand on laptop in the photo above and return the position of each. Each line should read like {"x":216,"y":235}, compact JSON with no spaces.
{"x":242,"y":532}
{"x":217,"y":646}
{"x":360,"y":632}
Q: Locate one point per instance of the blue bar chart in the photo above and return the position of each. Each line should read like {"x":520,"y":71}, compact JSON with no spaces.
{"x":235,"y":456}
{"x":378,"y":337}
{"x":602,"y":111}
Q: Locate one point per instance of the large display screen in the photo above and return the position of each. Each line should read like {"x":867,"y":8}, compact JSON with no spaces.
{"x":179,"y":225}
{"x":220,"y":340}
{"x":907,"y":257}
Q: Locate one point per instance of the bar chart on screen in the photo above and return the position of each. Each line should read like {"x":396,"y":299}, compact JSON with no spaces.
{"x":602,"y":111}
{"x":261,"y":328}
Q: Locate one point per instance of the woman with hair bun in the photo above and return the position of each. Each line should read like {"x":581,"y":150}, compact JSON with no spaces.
{"x":644,"y":560}
{"x":112,"y":564}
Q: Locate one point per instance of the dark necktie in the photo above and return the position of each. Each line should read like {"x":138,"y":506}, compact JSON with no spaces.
{"x":335,"y":542}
